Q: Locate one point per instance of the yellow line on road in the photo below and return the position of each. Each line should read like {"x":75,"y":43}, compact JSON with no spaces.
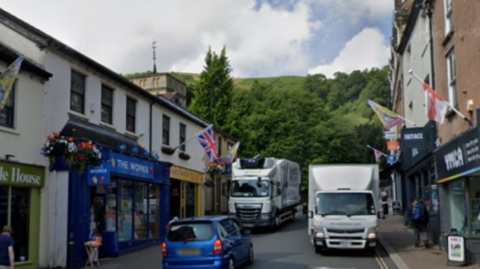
{"x":380,"y":261}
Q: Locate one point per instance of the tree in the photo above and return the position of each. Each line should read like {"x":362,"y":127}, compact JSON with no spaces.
{"x":212,"y":94}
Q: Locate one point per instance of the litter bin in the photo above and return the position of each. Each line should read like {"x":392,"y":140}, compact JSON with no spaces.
{"x":456,"y":249}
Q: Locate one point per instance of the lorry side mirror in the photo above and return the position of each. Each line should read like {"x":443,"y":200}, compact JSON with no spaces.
{"x":310,"y":214}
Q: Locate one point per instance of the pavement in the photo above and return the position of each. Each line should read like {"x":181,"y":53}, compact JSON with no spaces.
{"x":397,"y":239}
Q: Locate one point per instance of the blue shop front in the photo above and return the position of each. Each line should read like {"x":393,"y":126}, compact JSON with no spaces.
{"x":125,"y":201}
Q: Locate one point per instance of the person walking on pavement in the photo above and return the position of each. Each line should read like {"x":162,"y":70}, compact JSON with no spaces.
{"x":420,"y":217}
{"x":7,"y":256}
{"x":384,"y":199}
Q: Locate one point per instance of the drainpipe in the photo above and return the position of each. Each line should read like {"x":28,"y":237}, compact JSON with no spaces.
{"x":429,"y":7}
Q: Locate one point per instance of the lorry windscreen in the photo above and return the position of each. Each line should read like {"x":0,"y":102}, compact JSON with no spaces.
{"x":250,"y":188}
{"x":349,"y":204}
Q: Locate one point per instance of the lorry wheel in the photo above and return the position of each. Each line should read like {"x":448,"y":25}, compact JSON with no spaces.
{"x":277,"y":222}
{"x":293,"y":214}
{"x":318,"y":249}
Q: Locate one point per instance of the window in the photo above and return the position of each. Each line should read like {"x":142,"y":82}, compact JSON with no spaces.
{"x":166,"y":130}
{"x":131,"y":113}
{"x":107,"y":104}
{"x":448,"y":16}
{"x":77,"y":92}
{"x":190,"y":231}
{"x":154,"y":211}
{"x":8,"y":113}
{"x":140,"y":210}
{"x":456,"y":197}
{"x":183,"y":130}
{"x":475,"y":205}
{"x":452,"y":78}
{"x":125,"y":210}
{"x":16,"y":202}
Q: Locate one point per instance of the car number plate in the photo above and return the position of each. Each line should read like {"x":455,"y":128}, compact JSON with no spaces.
{"x":189,"y":252}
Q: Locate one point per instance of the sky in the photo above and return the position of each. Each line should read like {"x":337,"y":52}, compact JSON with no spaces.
{"x":263,"y":38}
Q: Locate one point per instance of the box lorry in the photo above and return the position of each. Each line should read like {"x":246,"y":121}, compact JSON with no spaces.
{"x":264,"y":192}
{"x":343,"y":206}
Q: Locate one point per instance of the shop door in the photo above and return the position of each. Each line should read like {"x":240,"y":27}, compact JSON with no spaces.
{"x":187,"y":200}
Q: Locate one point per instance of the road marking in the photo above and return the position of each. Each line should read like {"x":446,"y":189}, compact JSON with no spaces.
{"x":380,"y":261}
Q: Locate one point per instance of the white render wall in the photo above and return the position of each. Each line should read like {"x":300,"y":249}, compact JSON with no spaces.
{"x":419,"y":61}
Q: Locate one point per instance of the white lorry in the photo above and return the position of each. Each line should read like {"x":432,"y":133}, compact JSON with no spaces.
{"x":343,"y":206}
{"x":264,"y":191}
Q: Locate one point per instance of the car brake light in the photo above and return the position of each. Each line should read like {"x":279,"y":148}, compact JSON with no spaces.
{"x":217,"y":247}
{"x":164,"y":249}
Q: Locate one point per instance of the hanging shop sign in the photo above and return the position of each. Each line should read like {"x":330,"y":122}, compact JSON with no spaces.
{"x":99,"y":176}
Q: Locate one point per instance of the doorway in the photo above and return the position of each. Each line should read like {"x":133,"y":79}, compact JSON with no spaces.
{"x":183,"y":198}
{"x":97,"y":213}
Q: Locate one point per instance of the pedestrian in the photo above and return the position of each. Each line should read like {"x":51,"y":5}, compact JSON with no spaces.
{"x":384,"y":199}
{"x":7,"y":256}
{"x":420,"y":217}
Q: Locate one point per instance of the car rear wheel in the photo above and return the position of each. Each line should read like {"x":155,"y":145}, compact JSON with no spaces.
{"x":231,"y":264}
{"x":251,"y":255}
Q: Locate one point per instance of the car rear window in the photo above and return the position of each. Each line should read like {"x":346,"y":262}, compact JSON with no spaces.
{"x":190,"y":231}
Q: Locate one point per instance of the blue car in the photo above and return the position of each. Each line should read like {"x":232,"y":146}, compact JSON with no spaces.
{"x":217,"y":242}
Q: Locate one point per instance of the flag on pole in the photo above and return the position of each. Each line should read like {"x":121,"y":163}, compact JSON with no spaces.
{"x":231,"y":154}
{"x":209,"y":143}
{"x":7,"y":79}
{"x":437,"y":105}
{"x":378,"y":154}
{"x":387,"y":117}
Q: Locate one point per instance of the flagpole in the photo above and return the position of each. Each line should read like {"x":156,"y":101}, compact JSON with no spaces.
{"x":184,"y":142}
{"x":411,"y":122}
{"x":368,"y":146}
{"x":452,"y":107}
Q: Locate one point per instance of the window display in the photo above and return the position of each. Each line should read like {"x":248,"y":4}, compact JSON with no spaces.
{"x":111,"y":207}
{"x":458,"y":216}
{"x":154,"y":211}
{"x":125,"y":211}
{"x":140,"y":212}
{"x":475,"y":205}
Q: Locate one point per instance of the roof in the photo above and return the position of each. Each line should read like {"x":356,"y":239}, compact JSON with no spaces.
{"x":412,"y":19}
{"x":8,"y":55}
{"x":169,"y":95}
{"x":46,"y":41}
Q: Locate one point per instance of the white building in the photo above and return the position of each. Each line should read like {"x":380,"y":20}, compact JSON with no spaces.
{"x":91,"y":102}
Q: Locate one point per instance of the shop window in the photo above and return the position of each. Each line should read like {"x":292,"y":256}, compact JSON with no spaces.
{"x":125,"y":211}
{"x":154,"y":211}
{"x":140,"y":217}
{"x":475,"y":205}
{"x":19,"y":218}
{"x":458,"y":216}
{"x":111,"y":207}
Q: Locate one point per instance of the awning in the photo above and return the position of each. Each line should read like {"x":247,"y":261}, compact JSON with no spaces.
{"x":103,"y":136}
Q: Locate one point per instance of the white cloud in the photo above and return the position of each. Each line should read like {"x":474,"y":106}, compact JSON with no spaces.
{"x":355,"y":9}
{"x":119,"y":33}
{"x":365,"y":50}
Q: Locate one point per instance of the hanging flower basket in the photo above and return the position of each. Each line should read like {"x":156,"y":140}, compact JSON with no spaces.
{"x":215,"y":168}
{"x":65,"y":154}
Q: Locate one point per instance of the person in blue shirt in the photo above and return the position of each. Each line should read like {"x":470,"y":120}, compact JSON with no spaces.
{"x":7,"y":256}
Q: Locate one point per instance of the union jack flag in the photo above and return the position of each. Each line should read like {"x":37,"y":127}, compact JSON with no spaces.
{"x":209,"y":144}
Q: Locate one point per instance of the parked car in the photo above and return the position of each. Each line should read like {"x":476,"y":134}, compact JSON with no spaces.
{"x":217,"y":242}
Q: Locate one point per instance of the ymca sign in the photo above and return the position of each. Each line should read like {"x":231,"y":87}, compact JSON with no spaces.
{"x":458,"y":155}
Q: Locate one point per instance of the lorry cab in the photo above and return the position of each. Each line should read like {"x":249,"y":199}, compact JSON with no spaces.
{"x":343,"y":207}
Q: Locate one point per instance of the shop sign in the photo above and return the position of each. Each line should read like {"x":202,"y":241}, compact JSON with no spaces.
{"x":185,"y":174}
{"x":460,"y":156}
{"x":456,"y":248}
{"x":99,"y":176}
{"x":131,"y":166}
{"x":392,"y":145}
{"x":413,"y":138}
{"x":21,"y":175}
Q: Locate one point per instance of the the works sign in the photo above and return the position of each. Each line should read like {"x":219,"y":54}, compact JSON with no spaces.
{"x":459,"y":155}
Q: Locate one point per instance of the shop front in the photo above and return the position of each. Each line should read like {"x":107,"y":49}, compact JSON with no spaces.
{"x":420,"y":181}
{"x":186,"y":196}
{"x":123,"y":201}
{"x":458,"y":170}
{"x":20,"y":186}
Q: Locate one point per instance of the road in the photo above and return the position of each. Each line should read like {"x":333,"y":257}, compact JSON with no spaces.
{"x":288,"y":248}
